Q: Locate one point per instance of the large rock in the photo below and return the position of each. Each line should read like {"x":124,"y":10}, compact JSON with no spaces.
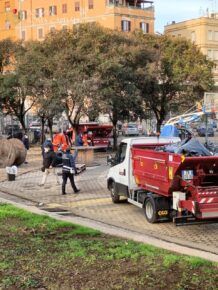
{"x":12,"y":152}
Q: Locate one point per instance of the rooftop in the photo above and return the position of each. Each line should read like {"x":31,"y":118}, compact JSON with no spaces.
{"x":133,"y":4}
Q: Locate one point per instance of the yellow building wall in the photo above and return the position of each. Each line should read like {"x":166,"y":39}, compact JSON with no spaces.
{"x":109,"y":16}
{"x":203,"y":32}
{"x":10,"y":17}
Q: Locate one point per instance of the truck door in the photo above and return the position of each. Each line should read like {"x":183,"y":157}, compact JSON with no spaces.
{"x":122,"y":169}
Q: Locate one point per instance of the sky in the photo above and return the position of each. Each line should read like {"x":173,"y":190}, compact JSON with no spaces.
{"x":167,"y":11}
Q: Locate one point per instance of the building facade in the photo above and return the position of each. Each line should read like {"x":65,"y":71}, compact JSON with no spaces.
{"x":203,"y":32}
{"x":33,"y":19}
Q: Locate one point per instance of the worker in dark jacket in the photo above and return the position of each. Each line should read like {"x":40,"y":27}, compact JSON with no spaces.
{"x":26,"y":143}
{"x":69,"y":170}
{"x":47,"y":143}
{"x":49,"y":162}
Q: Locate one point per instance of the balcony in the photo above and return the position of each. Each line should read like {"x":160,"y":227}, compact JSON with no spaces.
{"x":132,"y":4}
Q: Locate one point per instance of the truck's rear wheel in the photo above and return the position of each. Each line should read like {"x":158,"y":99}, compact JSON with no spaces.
{"x":114,"y":195}
{"x":150,"y":210}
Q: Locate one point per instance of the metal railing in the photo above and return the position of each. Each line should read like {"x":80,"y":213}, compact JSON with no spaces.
{"x":127,"y":5}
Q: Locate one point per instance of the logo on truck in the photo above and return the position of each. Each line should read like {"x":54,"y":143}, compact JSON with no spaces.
{"x":162,"y":212}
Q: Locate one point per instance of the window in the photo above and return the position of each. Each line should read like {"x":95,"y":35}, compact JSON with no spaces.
{"x":52,"y":10}
{"x":144,"y":27}
{"x":121,"y":154}
{"x":40,"y":12}
{"x":40,"y":33}
{"x":210,"y":35}
{"x":7,"y":6}
{"x":216,"y":35}
{"x":22,"y":15}
{"x":23,"y":35}
{"x":91,"y":4}
{"x":210,"y":54}
{"x":193,"y":36}
{"x":7,"y":25}
{"x":126,"y":25}
{"x":52,"y":29}
{"x":77,"y":6}
{"x":215,"y":55}
{"x":64,"y":8}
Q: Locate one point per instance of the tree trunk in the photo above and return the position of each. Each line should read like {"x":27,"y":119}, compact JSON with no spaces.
{"x":114,"y":119}
{"x":70,"y":121}
{"x":22,"y":121}
{"x":50,"y":124}
{"x":158,"y":127}
{"x":43,"y":130}
{"x":114,"y":138}
{"x":160,"y":117}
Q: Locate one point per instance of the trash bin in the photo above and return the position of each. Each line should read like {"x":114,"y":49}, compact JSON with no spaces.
{"x":11,"y":177}
{"x":11,"y":173}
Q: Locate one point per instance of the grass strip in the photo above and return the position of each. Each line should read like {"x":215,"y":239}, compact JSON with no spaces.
{"x":40,"y":252}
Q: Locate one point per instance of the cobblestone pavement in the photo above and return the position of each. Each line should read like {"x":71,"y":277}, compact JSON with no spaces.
{"x":94,"y":202}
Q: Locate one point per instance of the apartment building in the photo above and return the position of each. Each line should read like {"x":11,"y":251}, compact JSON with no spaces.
{"x":203,"y":32}
{"x":33,"y":19}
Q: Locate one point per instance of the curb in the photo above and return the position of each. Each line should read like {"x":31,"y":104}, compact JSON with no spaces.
{"x":115,"y":231}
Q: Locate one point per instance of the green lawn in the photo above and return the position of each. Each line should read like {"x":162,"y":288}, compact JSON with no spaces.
{"x":39,"y":252}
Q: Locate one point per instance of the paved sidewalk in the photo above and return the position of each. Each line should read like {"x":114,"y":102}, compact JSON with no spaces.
{"x":94,"y":202}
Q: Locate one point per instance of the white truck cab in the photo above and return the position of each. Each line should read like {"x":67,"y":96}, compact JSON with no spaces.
{"x":120,"y":179}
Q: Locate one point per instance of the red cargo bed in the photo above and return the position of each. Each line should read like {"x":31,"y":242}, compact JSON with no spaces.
{"x":163,"y":173}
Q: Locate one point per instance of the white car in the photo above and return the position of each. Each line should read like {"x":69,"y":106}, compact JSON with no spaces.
{"x":131,"y":130}
{"x":35,"y":125}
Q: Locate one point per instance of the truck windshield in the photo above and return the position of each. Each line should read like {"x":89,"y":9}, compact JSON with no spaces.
{"x":121,"y":154}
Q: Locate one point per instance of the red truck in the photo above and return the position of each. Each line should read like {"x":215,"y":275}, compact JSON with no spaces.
{"x":166,"y":185}
{"x":100,"y":133}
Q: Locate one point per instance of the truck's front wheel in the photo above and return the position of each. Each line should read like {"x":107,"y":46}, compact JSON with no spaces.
{"x":150,"y":210}
{"x":114,"y":196}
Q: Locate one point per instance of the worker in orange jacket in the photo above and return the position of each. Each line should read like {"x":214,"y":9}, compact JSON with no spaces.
{"x":65,"y":142}
{"x":85,"y":139}
{"x":57,"y":141}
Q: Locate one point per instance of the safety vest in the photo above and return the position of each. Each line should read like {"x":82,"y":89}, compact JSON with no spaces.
{"x":67,"y":164}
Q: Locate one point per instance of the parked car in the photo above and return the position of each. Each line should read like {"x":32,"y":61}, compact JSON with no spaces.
{"x":14,"y":131}
{"x":202,"y":132}
{"x":140,"y":129}
{"x":11,"y":129}
{"x":131,"y":130}
{"x":35,"y":125}
{"x":214,"y":124}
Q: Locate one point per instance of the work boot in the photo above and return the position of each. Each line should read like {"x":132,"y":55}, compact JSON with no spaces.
{"x":77,"y":191}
